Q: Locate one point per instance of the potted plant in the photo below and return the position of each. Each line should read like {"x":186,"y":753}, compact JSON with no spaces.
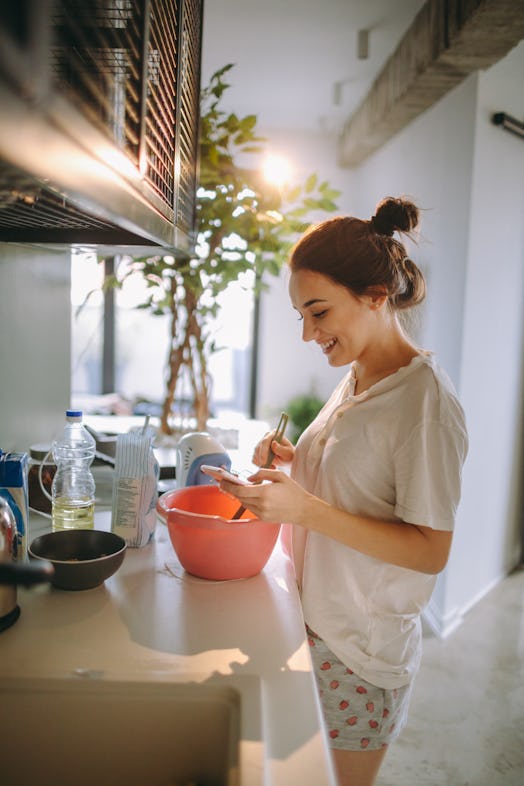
{"x":243,"y":224}
{"x":302,"y":410}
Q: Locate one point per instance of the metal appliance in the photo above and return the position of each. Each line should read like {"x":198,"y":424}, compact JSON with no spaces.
{"x":107,"y":93}
{"x":13,"y":572}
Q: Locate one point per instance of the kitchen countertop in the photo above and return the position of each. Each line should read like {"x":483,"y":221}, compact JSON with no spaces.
{"x":152,"y":618}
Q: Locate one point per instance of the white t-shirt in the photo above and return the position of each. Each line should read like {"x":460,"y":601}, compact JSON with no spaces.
{"x":394,"y":452}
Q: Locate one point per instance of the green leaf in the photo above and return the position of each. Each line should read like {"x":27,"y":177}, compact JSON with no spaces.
{"x":328,"y":205}
{"x":310,"y":183}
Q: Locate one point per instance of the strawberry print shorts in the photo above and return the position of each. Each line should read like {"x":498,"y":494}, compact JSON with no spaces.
{"x":358,"y":715}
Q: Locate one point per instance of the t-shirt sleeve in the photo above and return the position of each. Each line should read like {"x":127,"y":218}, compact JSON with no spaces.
{"x":428,"y":472}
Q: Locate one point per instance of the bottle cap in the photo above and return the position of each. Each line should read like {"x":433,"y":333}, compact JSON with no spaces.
{"x":74,"y":414}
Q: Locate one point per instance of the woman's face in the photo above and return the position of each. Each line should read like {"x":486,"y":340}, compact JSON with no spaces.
{"x":342,"y":324}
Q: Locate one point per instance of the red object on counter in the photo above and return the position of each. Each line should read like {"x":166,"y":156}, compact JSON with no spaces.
{"x":206,"y":539}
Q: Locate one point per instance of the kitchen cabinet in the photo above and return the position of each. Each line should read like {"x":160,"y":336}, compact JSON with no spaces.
{"x":99,"y":122}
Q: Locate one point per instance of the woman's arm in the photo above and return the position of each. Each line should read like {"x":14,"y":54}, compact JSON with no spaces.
{"x":413,"y":546}
{"x":397,"y":542}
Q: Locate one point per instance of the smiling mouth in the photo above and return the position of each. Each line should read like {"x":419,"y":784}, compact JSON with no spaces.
{"x":326,"y":346}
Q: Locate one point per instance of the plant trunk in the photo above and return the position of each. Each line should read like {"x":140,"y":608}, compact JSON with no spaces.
{"x":186,"y":350}
{"x":197,"y":363}
{"x":175,"y":363}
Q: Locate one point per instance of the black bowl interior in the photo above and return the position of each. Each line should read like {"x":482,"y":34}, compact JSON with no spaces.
{"x":82,"y":558}
{"x":76,"y":545}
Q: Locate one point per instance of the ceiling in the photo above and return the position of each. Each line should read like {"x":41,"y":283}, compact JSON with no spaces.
{"x":296,"y":61}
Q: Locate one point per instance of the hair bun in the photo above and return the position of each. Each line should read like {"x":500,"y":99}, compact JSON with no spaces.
{"x":392,"y":215}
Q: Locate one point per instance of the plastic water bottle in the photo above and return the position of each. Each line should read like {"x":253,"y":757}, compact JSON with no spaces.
{"x":73,"y":488}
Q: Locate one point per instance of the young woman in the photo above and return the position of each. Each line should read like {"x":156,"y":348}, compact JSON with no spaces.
{"x":374,"y":482}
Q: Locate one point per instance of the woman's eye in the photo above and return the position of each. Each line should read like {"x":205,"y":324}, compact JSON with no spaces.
{"x":317,"y":315}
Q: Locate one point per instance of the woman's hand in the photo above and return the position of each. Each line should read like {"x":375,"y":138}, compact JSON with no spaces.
{"x":412,"y":546}
{"x":280,"y":500}
{"x":284,"y":451}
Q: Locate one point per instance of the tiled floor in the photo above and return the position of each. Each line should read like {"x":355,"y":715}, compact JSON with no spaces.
{"x":466,"y":725}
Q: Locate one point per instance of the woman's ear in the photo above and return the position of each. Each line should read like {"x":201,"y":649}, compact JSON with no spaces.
{"x":376,"y":297}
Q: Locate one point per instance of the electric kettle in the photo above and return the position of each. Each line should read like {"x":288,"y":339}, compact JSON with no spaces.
{"x":9,"y":608}
{"x":13,"y":572}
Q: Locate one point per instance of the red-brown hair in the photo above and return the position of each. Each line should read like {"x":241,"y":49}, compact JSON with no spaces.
{"x":363,"y":255}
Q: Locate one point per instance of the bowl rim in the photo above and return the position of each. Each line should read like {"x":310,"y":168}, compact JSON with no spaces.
{"x":164,"y":511}
{"x":212,"y":516}
{"x":55,"y":561}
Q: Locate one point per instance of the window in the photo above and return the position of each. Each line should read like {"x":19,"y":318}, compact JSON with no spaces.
{"x":134,"y":367}
{"x":87,"y":325}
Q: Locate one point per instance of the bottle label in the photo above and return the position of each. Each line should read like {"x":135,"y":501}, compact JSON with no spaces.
{"x":135,"y":489}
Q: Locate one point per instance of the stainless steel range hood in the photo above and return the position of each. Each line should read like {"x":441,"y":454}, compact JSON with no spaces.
{"x":99,"y":121}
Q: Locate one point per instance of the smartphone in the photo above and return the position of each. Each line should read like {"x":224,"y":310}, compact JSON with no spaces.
{"x":219,"y":473}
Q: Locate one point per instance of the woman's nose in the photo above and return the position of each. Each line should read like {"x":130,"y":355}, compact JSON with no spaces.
{"x":308,"y":330}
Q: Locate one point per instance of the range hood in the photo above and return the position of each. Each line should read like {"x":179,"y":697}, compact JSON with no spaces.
{"x":99,"y":122}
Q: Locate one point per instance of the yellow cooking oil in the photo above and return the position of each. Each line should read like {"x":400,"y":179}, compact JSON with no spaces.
{"x":72,"y":513}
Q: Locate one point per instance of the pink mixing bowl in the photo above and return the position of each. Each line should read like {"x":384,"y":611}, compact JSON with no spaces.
{"x":207,"y":541}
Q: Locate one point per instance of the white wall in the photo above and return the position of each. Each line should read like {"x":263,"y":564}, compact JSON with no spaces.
{"x":35,"y":344}
{"x":491,"y":379}
{"x":468,"y":177}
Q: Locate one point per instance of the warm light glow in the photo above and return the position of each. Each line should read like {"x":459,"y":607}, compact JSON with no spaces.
{"x":277,"y":169}
{"x":117,"y":161}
